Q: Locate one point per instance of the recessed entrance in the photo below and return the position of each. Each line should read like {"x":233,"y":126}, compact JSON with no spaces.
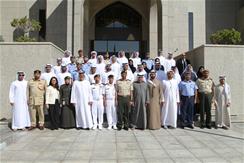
{"x":118,"y":27}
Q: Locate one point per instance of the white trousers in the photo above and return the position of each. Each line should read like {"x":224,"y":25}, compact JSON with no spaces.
{"x":97,"y":112}
{"x":111,"y":113}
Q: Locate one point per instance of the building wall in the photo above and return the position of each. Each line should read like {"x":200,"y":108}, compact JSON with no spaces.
{"x":57,"y":22}
{"x":172,"y":25}
{"x":175,"y":24}
{"x":223,"y":60}
{"x":221,"y":14}
{"x":22,"y":57}
{"x":240,"y":23}
{"x":17,"y":9}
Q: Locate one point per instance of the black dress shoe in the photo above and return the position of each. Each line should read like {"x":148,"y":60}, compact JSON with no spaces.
{"x":191,"y":126}
{"x":171,"y":127}
{"x":182,"y":127}
{"x":119,"y":128}
{"x":126,"y":128}
{"x":208,"y":127}
{"x":202,"y":126}
{"x":225,"y":128}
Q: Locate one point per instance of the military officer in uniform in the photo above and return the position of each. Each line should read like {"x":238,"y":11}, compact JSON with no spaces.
{"x":109,"y":103}
{"x":36,"y":89}
{"x":97,"y":90}
{"x":124,"y":90}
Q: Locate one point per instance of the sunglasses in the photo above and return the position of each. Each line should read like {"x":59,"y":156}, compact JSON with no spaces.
{"x":21,"y":75}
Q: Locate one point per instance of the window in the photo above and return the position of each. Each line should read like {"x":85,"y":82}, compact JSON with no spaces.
{"x":42,"y":20}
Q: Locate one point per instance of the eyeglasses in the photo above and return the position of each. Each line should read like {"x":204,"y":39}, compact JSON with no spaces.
{"x":21,"y":75}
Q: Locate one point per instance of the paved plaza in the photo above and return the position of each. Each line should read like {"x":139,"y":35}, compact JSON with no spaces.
{"x":171,"y":145}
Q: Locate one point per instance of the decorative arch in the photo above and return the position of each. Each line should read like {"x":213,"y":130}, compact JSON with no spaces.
{"x":118,"y":21}
{"x":109,"y":3}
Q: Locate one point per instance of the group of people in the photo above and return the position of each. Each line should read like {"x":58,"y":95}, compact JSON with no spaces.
{"x":134,"y":93}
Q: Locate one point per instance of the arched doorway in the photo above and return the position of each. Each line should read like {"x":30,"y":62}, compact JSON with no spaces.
{"x":118,"y":27}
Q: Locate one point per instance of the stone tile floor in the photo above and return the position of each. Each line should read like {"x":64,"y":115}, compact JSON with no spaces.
{"x":172,"y":145}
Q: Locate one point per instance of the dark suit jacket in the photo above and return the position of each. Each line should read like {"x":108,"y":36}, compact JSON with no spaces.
{"x":180,"y":65}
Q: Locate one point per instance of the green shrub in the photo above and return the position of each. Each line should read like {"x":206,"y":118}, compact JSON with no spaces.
{"x":26,"y":25}
{"x":25,"y":39}
{"x":226,"y":36}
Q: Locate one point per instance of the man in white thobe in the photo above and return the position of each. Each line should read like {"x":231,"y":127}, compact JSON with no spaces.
{"x":81,"y":97}
{"x":100,"y":65}
{"x":92,"y":74}
{"x":107,"y":73}
{"x":169,"y":62}
{"x":122,"y":58}
{"x":161,"y":58}
{"x":136,"y":59}
{"x":18,"y":101}
{"x":63,"y":74}
{"x":171,"y":100}
{"x":66,"y":59}
{"x":140,"y":70}
{"x":57,"y":68}
{"x":48,"y":74}
{"x":115,"y":66}
{"x":222,"y":103}
{"x":93,"y":59}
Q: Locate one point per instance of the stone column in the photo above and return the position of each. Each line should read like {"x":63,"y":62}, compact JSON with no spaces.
{"x":153,"y":29}
{"x":78,"y":25}
{"x":85,"y":27}
{"x":165,"y":31}
{"x":69,"y":25}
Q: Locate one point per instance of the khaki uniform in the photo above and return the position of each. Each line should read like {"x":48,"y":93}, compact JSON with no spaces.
{"x":36,"y":90}
{"x":205,"y":88}
{"x":123,"y":89}
{"x":80,"y":60}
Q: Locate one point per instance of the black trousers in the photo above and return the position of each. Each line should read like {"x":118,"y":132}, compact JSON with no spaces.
{"x":187,"y":109}
{"x":54,"y":115}
{"x":123,"y":111}
{"x":205,"y":107}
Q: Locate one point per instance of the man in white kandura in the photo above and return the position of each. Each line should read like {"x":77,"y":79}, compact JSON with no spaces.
{"x":115,"y":66}
{"x":81,"y":97}
{"x":66,"y":59}
{"x":100,"y":65}
{"x":62,"y":75}
{"x":222,"y":102}
{"x":93,"y":72}
{"x":169,"y":62}
{"x":57,"y":68}
{"x":93,"y":59}
{"x":122,"y":58}
{"x":48,"y":74}
{"x":171,"y":100}
{"x":18,"y":101}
